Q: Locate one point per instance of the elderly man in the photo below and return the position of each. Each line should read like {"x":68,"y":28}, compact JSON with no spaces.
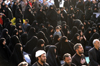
{"x":41,"y":58}
{"x":94,"y":53}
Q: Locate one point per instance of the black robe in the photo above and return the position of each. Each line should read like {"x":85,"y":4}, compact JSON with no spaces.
{"x":6,"y":36}
{"x":24,"y":38}
{"x":52,"y":60}
{"x":64,"y":47}
{"x":17,"y":55}
{"x":5,"y":52}
{"x":38,"y":47}
{"x":75,"y":40}
{"x":52,"y":16}
{"x":14,"y":41}
{"x":29,"y":15}
{"x":94,"y":36}
{"x":31,"y":33}
{"x":41,"y":35}
{"x":87,"y":34}
{"x":8,"y":13}
{"x":73,"y":31}
{"x":29,"y":46}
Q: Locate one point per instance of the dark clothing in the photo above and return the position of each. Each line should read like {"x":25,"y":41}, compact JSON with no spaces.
{"x":37,"y":64}
{"x":76,"y":59}
{"x":72,"y":64}
{"x":51,"y":57}
{"x":94,"y":58}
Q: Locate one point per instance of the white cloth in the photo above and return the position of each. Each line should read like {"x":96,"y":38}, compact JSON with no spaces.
{"x":27,"y":58}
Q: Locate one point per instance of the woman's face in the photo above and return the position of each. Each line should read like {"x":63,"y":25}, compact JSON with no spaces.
{"x":81,"y":33}
{"x":94,"y":30}
{"x":58,"y":39}
{"x":16,"y":33}
{"x":55,"y":50}
{"x":66,"y":40}
{"x":4,"y":42}
{"x":78,"y":37}
{"x":42,"y":45}
{"x":89,"y":31}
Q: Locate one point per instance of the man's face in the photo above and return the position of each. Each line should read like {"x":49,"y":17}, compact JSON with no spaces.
{"x":43,"y":58}
{"x":68,"y":60}
{"x":80,"y":50}
{"x":97,"y":44}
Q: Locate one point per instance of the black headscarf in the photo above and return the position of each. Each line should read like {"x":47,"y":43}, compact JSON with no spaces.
{"x":5,"y":35}
{"x":17,"y":55}
{"x":14,"y":41}
{"x":74,"y":31}
{"x":94,"y":36}
{"x":56,"y":37}
{"x":38,"y":47}
{"x":35,"y":25}
{"x":75,"y":40}
{"x":45,"y":31}
{"x":65,"y":47}
{"x":29,"y":46}
{"x":5,"y":52}
{"x":41,"y":35}
{"x":24,"y":38}
{"x":51,"y":56}
{"x":14,"y":8}
{"x":31,"y":33}
{"x":87,"y":34}
{"x":98,"y":27}
{"x":14,"y":32}
{"x":12,"y":29}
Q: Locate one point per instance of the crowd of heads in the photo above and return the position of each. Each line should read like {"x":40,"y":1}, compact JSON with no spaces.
{"x":48,"y":32}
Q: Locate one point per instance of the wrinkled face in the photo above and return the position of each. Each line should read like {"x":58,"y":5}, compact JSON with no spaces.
{"x":43,"y":58}
{"x":80,"y":50}
{"x":68,"y":60}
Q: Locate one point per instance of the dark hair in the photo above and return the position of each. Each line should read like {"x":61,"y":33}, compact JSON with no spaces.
{"x":66,"y":55}
{"x":27,"y":20}
{"x":76,"y":46}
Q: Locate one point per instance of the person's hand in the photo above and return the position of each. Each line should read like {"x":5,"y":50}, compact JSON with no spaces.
{"x":82,"y":61}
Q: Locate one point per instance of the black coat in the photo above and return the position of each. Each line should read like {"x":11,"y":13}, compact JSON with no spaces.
{"x":52,"y":60}
{"x":29,"y":46}
{"x":93,"y":57}
{"x":38,"y":47}
{"x":64,"y":47}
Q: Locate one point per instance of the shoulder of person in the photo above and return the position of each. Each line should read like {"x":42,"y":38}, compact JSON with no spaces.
{"x":46,"y":64}
{"x":91,"y":49}
{"x":35,"y":64}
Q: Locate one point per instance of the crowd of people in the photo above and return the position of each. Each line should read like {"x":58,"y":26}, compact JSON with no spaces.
{"x":49,"y":33}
